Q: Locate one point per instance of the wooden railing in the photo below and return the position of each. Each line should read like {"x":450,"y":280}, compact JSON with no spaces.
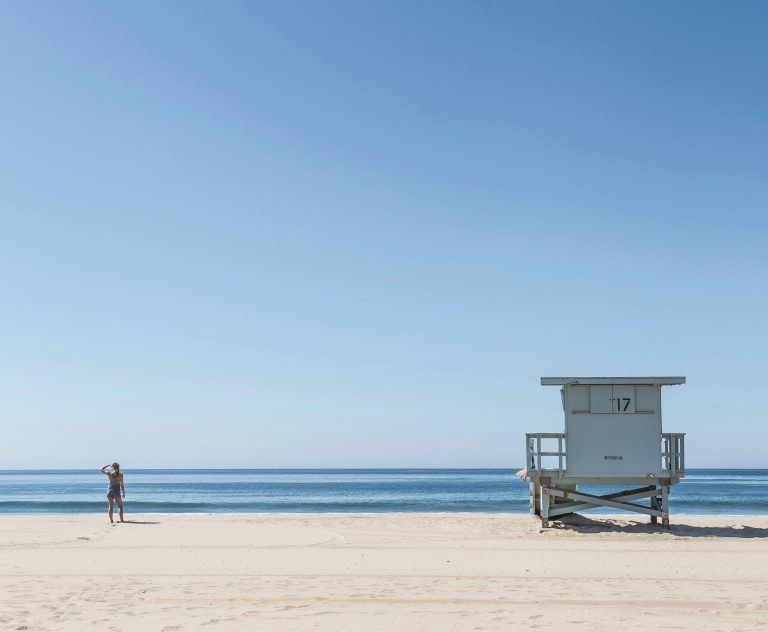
{"x":672,"y":451}
{"x":534,"y":452}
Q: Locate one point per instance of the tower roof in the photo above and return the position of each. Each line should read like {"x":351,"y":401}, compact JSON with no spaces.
{"x":634,"y":381}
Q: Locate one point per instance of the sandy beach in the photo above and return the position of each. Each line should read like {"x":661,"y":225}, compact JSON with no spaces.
{"x":381,"y":572}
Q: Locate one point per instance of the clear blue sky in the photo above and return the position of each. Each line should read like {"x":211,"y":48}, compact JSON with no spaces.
{"x":355,"y":234}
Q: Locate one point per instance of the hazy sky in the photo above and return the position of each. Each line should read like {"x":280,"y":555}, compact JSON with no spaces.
{"x":355,"y":234}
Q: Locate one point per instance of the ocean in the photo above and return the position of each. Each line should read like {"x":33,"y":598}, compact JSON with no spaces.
{"x":702,"y":492}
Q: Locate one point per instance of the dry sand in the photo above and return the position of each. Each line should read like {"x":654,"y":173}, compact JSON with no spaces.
{"x":381,"y":572}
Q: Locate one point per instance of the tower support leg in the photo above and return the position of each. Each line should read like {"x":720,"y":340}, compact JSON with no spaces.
{"x":665,"y":506}
{"x":654,"y":504}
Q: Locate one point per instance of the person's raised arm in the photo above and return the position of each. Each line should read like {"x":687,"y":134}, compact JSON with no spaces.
{"x":103,"y":470}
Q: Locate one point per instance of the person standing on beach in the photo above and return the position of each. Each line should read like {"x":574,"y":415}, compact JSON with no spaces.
{"x":116,"y":485}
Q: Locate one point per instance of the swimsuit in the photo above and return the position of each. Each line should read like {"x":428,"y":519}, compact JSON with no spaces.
{"x":114,"y":487}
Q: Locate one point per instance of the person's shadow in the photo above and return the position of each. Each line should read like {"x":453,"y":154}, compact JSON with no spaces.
{"x":584,"y":524}
{"x":139,"y":522}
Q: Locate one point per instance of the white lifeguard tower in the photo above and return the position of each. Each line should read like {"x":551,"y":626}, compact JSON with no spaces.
{"x":613,"y":437}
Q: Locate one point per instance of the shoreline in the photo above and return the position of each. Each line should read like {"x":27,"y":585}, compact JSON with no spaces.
{"x":487,"y":514}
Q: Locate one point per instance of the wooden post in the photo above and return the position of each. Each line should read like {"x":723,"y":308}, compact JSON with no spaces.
{"x":654,"y":504}
{"x":532,"y":497}
{"x":545,"y":507}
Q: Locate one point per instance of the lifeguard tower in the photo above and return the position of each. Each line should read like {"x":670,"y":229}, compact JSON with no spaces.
{"x":613,"y":437}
